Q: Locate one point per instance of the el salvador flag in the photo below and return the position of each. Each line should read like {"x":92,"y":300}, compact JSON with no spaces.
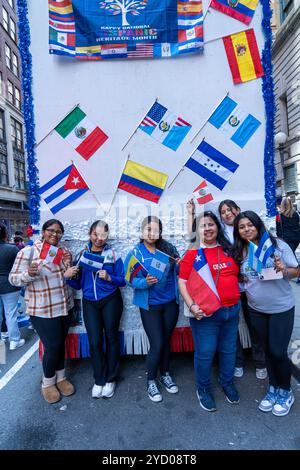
{"x":253,"y":262}
{"x":158,"y":264}
{"x":212,"y":165}
{"x":91,"y":261}
{"x":265,"y":249}
{"x":230,"y":118}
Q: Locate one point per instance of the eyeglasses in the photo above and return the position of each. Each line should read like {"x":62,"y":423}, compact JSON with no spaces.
{"x":54,"y":232}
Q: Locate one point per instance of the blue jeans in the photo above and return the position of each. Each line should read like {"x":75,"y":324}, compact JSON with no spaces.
{"x":211,"y":334}
{"x":10,"y":304}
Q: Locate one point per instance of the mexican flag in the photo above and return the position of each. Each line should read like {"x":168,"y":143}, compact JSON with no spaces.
{"x":84,"y":136}
{"x":51,"y":254}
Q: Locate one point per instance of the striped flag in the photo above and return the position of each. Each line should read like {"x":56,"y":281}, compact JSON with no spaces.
{"x":51,"y":254}
{"x":91,"y":261}
{"x":253,"y":261}
{"x":242,"y":10}
{"x":212,"y":165}
{"x":158,"y":264}
{"x":138,"y":51}
{"x":202,"y":193}
{"x":243,"y":56}
{"x":265,"y":249}
{"x":133,"y":267}
{"x":84,"y":136}
{"x":230,"y":118}
{"x":61,"y":28}
{"x":63,"y":189}
{"x":164,"y":126}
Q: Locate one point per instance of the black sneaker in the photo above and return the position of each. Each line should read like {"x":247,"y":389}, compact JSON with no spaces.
{"x":167,"y":382}
{"x":232,"y":395}
{"x":153,"y":392}
{"x":206,"y":400}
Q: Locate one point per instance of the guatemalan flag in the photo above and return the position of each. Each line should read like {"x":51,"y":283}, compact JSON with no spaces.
{"x":265,"y":249}
{"x":63,"y":189}
{"x":237,"y":123}
{"x":165,"y":126}
{"x":201,"y":286}
{"x":212,"y":165}
{"x":158,"y":264}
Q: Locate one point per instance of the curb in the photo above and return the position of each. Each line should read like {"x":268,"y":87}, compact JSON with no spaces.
{"x":295,"y":371}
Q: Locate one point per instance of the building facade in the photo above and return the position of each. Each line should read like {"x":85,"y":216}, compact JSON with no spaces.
{"x":13,"y":195}
{"x":286,"y":61}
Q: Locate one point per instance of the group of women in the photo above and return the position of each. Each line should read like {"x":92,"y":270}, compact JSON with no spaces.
{"x":269,"y":304}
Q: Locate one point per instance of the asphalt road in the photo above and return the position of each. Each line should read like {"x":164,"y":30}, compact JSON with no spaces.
{"x":129,"y":420}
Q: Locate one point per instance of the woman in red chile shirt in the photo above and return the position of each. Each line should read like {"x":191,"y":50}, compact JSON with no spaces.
{"x":219,"y":331}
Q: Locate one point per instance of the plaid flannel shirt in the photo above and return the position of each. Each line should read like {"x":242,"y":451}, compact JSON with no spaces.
{"x":46,"y":294}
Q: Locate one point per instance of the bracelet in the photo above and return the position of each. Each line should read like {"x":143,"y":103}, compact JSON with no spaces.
{"x":191,"y":306}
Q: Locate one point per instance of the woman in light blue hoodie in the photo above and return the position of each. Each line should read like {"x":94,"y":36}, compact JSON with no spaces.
{"x":157,"y":300}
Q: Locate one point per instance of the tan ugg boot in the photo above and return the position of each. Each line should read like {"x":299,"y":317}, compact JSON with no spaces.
{"x":65,"y":387}
{"x":51,"y":394}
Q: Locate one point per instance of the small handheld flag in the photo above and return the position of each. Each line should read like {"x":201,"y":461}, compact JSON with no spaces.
{"x":51,"y":254}
{"x":91,"y":261}
{"x":253,"y":262}
{"x":265,"y":249}
{"x":202,"y":193}
{"x":158,"y":264}
{"x":133,"y":267}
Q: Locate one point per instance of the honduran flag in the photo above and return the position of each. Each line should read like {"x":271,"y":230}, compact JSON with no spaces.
{"x":158,"y":264}
{"x":265,"y":249}
{"x":212,"y":165}
{"x":51,"y":254}
{"x":133,"y":267}
{"x":165,"y":126}
{"x":84,"y":136}
{"x":242,"y":10}
{"x":91,"y":261}
{"x":237,"y":123}
{"x":143,"y":181}
{"x":201,"y":287}
{"x":253,"y":261}
{"x":202,"y":193}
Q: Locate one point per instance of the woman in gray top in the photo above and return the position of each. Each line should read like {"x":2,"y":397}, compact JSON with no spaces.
{"x":271,"y":306}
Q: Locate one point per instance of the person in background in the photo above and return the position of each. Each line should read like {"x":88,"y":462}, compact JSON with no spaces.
{"x":102,"y":307}
{"x":217,"y":332}
{"x":48,"y":302}
{"x":18,"y":240}
{"x":288,"y":224}
{"x":228,"y":211}
{"x":158,"y":303}
{"x":9,"y":294}
{"x":271,"y":307}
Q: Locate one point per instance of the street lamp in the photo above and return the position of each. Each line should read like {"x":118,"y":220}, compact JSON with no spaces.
{"x":280,"y":141}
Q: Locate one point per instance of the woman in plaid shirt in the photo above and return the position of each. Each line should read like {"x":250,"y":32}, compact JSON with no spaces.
{"x":42,"y":268}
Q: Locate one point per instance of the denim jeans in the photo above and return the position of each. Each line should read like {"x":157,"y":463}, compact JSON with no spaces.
{"x":9,"y":302}
{"x":211,"y":334}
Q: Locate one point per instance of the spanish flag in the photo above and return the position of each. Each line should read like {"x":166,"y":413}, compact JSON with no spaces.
{"x":243,"y":56}
{"x":133,"y":267}
{"x":143,"y":181}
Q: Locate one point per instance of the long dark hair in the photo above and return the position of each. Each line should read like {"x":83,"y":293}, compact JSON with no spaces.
{"x":230,"y":203}
{"x":3,"y":232}
{"x":50,"y":222}
{"x":161,"y":244}
{"x":221,"y":238}
{"x":240,"y":245}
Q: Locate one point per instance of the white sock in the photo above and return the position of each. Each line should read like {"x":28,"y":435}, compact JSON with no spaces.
{"x":48,"y":382}
{"x":60,"y":375}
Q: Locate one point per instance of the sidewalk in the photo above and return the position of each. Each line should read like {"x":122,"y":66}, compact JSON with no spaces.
{"x":294,"y":347}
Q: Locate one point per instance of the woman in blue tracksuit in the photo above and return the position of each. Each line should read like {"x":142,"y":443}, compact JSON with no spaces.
{"x":158,"y":303}
{"x":102,"y":306}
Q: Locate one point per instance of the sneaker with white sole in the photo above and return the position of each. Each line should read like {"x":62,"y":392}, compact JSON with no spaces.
{"x":269,"y":399}
{"x":97,"y":391}
{"x":167,"y":381}
{"x":285,"y":399}
{"x":16,"y":344}
{"x":261,"y":373}
{"x":238,"y":371}
{"x":108,"y":389}
{"x":153,"y":392}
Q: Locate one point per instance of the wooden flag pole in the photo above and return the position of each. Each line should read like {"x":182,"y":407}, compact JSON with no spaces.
{"x":128,"y":140}
{"x":196,"y":135}
{"x":115,"y":193}
{"x":45,"y":136}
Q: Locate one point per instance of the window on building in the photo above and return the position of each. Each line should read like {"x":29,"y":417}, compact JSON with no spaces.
{"x":20,"y":179}
{"x":290,"y":179}
{"x":8,"y":56}
{"x":283,"y":111}
{"x":11,"y":4}
{"x":15,"y":65}
{"x":10,"y":91}
{"x":1,"y":84}
{"x":285,"y":7}
{"x":12,"y":29}
{"x":17,"y":134}
{"x":17,"y":98}
{"x":2,"y":126}
{"x":5,"y":18}
{"x":3,"y":155}
{"x":19,"y":158}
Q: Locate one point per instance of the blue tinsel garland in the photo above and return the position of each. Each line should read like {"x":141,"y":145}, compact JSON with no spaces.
{"x":269,"y":98}
{"x":28,"y":110}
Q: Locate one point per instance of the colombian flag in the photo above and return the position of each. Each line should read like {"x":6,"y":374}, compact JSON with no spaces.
{"x":143,"y":181}
{"x":243,"y":56}
{"x":133,"y":267}
{"x":242,"y":10}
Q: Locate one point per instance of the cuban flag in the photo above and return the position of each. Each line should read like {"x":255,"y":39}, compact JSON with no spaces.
{"x":91,"y":262}
{"x":158,"y":264}
{"x":165,"y":126}
{"x":212,"y":165}
{"x":201,"y":286}
{"x":265,"y":249}
{"x":237,"y":123}
{"x":253,"y":262}
{"x":63,"y":189}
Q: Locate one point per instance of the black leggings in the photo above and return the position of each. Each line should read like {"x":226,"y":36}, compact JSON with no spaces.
{"x":104,"y":315}
{"x":52,"y":332}
{"x":159,"y":322}
{"x":274,"y":331}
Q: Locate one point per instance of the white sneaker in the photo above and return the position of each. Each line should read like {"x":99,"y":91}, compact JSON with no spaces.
{"x":238,"y":371}
{"x":16,"y":344}
{"x":97,"y":391}
{"x":261,"y":373}
{"x":285,"y":399}
{"x":109,"y":389}
{"x":4,"y":335}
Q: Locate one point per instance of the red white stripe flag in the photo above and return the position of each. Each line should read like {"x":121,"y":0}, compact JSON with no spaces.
{"x":202,"y":193}
{"x":51,"y":254}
